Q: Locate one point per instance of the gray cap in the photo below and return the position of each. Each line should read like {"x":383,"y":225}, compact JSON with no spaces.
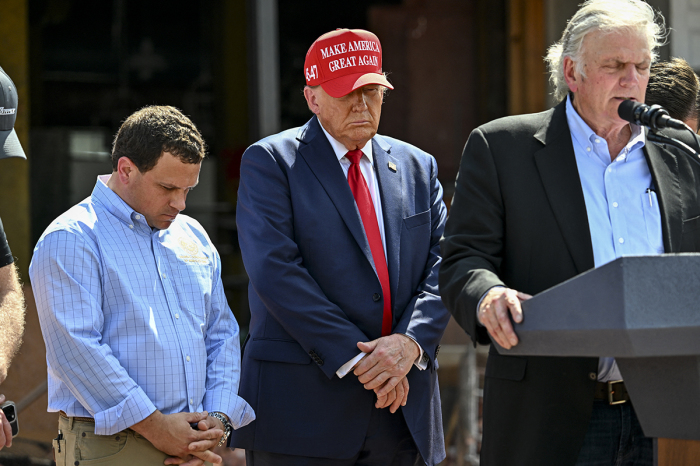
{"x":9,"y":144}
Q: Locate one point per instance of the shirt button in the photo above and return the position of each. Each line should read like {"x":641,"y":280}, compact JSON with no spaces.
{"x":588,"y":149}
{"x":164,"y":276}
{"x":177,"y":316}
{"x":191,"y":401}
{"x":609,"y":170}
{"x":137,"y":217}
{"x":131,"y":226}
{"x":188,"y":358}
{"x":597,"y":141}
{"x":614,"y":204}
{"x":621,"y":240}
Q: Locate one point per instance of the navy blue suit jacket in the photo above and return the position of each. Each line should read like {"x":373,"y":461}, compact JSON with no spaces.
{"x":312,"y":292}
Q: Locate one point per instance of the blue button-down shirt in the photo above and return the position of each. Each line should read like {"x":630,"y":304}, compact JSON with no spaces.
{"x":134,"y":319}
{"x":623,"y":211}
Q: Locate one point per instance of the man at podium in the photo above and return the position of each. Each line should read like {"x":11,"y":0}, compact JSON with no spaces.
{"x":541,"y":198}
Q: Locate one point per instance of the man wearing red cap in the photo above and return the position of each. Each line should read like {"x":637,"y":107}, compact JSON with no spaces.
{"x":339,"y":231}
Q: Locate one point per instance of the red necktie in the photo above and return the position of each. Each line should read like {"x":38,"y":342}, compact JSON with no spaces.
{"x":359,"y":189}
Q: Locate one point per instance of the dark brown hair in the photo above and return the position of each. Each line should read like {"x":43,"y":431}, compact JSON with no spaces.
{"x":674,"y":85}
{"x":146,"y":134}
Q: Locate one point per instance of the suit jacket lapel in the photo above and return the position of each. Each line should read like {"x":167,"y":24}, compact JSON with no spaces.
{"x":557,"y":167}
{"x":392,"y":204}
{"x":319,"y":156}
{"x":663,"y":166}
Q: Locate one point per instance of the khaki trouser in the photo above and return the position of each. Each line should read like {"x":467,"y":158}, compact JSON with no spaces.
{"x":81,"y":447}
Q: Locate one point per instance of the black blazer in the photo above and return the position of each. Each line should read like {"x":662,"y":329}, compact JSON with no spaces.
{"x":518,"y":219}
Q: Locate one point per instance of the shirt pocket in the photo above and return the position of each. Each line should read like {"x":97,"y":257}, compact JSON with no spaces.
{"x":652,"y":221}
{"x":193,"y":285}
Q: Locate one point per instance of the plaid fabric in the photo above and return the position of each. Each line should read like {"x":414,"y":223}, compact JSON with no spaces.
{"x":133,"y":318}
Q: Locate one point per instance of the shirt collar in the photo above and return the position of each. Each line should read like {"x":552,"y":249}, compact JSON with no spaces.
{"x":585,"y":136}
{"x":115,"y":205}
{"x":340,"y":150}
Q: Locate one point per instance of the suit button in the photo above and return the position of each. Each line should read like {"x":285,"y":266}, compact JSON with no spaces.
{"x":376,"y":297}
{"x":593,"y":376}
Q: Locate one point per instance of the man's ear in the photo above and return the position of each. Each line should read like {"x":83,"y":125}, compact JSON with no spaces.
{"x":126,"y":170}
{"x":311,"y":100}
{"x":573,"y":80}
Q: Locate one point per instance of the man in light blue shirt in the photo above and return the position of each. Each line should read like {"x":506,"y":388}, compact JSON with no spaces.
{"x":541,"y":198}
{"x":139,"y":337}
{"x":621,"y":203}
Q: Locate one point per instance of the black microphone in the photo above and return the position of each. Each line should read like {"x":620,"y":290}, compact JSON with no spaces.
{"x":655,"y":116}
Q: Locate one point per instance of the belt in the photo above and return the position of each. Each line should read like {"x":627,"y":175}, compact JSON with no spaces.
{"x":614,"y":392}
{"x":84,"y":419}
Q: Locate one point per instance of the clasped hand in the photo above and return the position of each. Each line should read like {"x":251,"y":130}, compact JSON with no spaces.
{"x":173,"y":435}
{"x":385,"y":367}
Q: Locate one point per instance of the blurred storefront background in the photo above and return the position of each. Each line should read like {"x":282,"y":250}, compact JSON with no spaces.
{"x":235,"y":67}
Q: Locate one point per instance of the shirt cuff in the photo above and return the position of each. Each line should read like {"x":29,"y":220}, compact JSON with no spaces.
{"x":478,"y":306}
{"x":242,"y":414}
{"x":421,"y":361}
{"x":135,"y":408}
{"x":347,"y":367}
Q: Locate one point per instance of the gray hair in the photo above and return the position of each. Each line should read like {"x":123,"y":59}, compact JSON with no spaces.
{"x":605,"y":15}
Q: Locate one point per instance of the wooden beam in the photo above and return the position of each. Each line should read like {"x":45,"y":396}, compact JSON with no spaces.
{"x":527,"y":86}
{"x":673,"y":452}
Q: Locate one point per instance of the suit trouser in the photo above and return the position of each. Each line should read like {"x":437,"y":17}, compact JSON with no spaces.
{"x":388,"y":442}
{"x":78,"y":445}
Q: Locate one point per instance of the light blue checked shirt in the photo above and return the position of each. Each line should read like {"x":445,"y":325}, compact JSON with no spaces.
{"x":623,"y":211}
{"x":134,"y":319}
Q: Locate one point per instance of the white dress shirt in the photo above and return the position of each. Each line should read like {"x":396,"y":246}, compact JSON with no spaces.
{"x":367,"y":169}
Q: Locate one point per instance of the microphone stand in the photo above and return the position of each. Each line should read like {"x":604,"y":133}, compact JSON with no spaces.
{"x":654,"y":136}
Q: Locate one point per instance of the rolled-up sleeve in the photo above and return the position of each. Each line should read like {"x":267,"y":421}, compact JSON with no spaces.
{"x":65,"y":274}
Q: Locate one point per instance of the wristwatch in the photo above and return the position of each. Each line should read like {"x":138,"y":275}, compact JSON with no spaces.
{"x":227,"y":427}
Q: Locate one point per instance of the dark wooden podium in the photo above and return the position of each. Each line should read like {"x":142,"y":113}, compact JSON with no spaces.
{"x":645,"y":312}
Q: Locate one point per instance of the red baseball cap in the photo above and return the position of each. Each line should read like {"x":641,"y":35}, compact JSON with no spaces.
{"x":343,"y":60}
